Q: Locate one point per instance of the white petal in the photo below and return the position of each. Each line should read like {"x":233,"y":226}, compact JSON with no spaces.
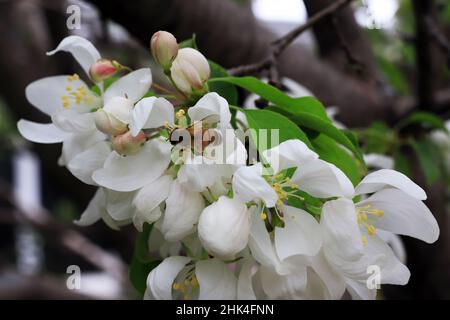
{"x":380,"y":161}
{"x":392,"y":270}
{"x":150,"y":113}
{"x":224,"y":227}
{"x":300,"y":235}
{"x":290,"y":286}
{"x":359,"y":291}
{"x":322,"y":180}
{"x":140,"y":218}
{"x":82,"y":50}
{"x":215,"y":280}
{"x":118,"y":205}
{"x":198,"y":173}
{"x":41,"y":133}
{"x":260,"y":244}
{"x":73,"y":121}
{"x":160,"y":279}
{"x":46,"y":93}
{"x":289,"y":154}
{"x":230,"y":150}
{"x":403,"y":214}
{"x":333,"y":281}
{"x":133,"y":172}
{"x":384,"y":178}
{"x":152,"y":195}
{"x":84,"y":164}
{"x":378,"y":259}
{"x":183,"y":207}
{"x":133,"y":86}
{"x":340,"y":230}
{"x":211,"y":104}
{"x":244,"y":285}
{"x":248,"y":184}
{"x":395,"y":242}
{"x":94,"y":211}
{"x":77,"y":143}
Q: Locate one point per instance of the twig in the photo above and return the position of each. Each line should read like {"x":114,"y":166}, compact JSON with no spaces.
{"x":67,"y":237}
{"x":278,"y":46}
{"x":352,"y":60}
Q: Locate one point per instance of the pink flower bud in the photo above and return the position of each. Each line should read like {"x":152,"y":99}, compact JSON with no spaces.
{"x":190,"y":70}
{"x":164,"y":48}
{"x":103,"y":69}
{"x":125,"y":144}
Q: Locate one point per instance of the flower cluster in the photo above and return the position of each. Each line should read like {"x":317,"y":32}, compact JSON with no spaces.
{"x":291,"y":226}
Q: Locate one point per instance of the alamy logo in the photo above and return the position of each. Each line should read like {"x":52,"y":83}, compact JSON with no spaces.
{"x":374,"y":280}
{"x":74,"y":280}
{"x":74,"y":19}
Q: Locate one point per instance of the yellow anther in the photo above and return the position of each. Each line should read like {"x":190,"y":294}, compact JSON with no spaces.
{"x":179,"y":114}
{"x":364,"y":240}
{"x":378,"y":212}
{"x":263,"y":216}
{"x":69,"y":88}
{"x":279,"y":203}
{"x":166,"y":124}
{"x":73,"y":77}
{"x":294,"y":186}
{"x":371,"y":230}
{"x":277,"y":187}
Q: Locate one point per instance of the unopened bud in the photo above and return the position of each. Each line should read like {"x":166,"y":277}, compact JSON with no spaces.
{"x":164,"y":48}
{"x":103,"y":69}
{"x":114,"y":117}
{"x":126,"y":144}
{"x":190,"y":70}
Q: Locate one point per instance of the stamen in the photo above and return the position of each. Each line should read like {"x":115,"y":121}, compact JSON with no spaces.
{"x":73,"y":77}
{"x":363,"y":217}
{"x":179,"y":114}
{"x":263,"y":216}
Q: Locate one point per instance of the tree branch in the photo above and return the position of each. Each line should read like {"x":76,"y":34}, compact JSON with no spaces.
{"x":279,"y":45}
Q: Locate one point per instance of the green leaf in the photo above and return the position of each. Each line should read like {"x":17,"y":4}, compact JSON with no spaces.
{"x":226,"y":90}
{"x":330,"y":151}
{"x":402,"y":164}
{"x":378,"y":138}
{"x":277,"y":97}
{"x":189,"y":43}
{"x":316,"y":123}
{"x":426,"y":119}
{"x":265,"y":119}
{"x":427,"y":154}
{"x":106,"y":83}
{"x":141,"y":262}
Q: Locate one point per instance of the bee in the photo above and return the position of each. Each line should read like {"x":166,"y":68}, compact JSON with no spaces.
{"x":197,"y":136}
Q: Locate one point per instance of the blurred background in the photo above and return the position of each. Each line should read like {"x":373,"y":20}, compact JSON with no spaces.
{"x":382,"y":64}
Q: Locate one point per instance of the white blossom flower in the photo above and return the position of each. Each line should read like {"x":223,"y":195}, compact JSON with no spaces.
{"x":179,"y":277}
{"x":312,"y":175}
{"x":283,"y":258}
{"x":351,"y":242}
{"x":69,"y":102}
